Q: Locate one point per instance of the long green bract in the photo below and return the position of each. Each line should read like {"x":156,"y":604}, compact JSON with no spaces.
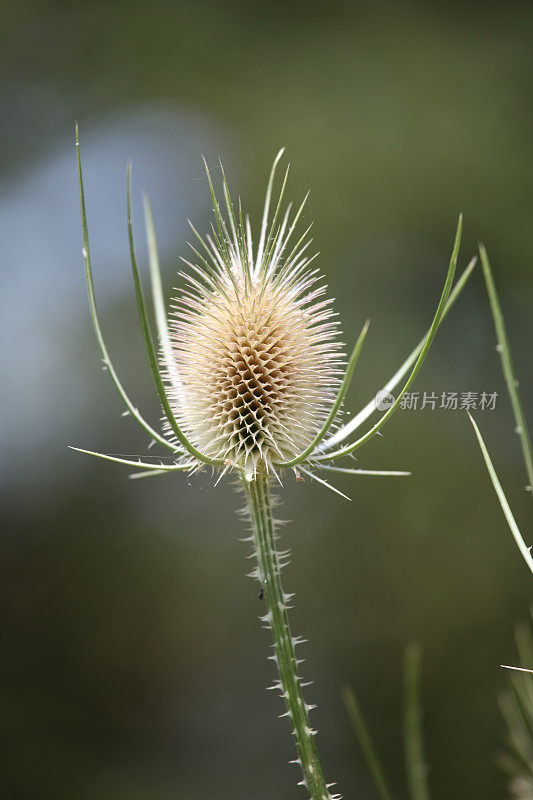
{"x":147,"y":336}
{"x":344,"y":451}
{"x":139,"y":463}
{"x":370,"y":407}
{"x":387,"y":473}
{"x":95,"y":320}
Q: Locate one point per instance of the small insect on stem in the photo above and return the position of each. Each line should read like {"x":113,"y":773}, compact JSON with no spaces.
{"x":261,"y":593}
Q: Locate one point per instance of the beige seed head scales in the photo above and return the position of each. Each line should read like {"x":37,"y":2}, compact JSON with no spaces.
{"x":254,"y":363}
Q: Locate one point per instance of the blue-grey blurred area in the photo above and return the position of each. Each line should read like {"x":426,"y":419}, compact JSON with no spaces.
{"x":133,"y":664}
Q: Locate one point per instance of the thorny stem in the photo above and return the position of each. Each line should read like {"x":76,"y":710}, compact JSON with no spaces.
{"x":290,"y":684}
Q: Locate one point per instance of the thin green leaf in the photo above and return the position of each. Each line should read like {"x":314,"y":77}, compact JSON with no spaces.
{"x":503,"y":500}
{"x":147,"y":336}
{"x":415,"y":762}
{"x":370,"y":407}
{"x":504,"y":351}
{"x":96,"y":322}
{"x":344,"y":451}
{"x":365,"y":742}
{"x":356,"y":352}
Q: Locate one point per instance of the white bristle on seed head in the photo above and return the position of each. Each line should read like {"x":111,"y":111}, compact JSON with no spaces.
{"x":254,"y":362}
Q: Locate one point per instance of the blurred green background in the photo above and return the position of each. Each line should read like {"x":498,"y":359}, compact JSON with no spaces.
{"x":133,"y":663}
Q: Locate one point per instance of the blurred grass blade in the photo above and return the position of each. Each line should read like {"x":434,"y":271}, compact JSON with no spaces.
{"x":415,"y":762}
{"x":503,"y":500}
{"x":370,"y":407}
{"x":155,"y":280}
{"x":365,"y":742}
{"x":344,"y":451}
{"x":348,"y":375}
{"x":508,"y":369}
{"x":524,"y":644}
{"x":518,"y":736}
{"x":147,"y":336}
{"x":521,"y":683}
{"x":94,"y":314}
{"x":516,"y":705}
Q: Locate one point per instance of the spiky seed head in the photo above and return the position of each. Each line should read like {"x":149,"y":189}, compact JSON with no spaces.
{"x":255,"y":359}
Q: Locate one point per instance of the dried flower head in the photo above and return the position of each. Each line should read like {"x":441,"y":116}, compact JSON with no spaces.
{"x":254,"y":362}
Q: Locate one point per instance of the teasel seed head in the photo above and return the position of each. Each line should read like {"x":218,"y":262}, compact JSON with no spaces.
{"x":254,"y":362}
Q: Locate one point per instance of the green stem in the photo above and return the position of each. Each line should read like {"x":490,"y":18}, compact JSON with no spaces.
{"x":290,"y":684}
